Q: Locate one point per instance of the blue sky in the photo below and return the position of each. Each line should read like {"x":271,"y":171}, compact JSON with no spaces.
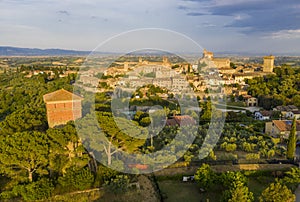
{"x":256,"y":26}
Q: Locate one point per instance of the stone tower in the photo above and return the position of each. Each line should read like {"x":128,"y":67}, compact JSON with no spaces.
{"x":62,"y":106}
{"x":268,"y":64}
{"x":207,"y":54}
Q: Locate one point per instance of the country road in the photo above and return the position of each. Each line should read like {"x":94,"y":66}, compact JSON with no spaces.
{"x":251,"y":109}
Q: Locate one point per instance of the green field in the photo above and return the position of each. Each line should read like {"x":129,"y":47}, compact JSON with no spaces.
{"x":174,"y":191}
{"x":258,"y":184}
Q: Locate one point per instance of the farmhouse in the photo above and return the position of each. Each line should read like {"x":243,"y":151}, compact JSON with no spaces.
{"x":62,"y":106}
{"x":281,"y":128}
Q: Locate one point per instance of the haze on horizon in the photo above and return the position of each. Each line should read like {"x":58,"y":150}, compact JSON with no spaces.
{"x":254,"y":26}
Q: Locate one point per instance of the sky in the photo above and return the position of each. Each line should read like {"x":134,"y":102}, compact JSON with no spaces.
{"x":250,"y":26}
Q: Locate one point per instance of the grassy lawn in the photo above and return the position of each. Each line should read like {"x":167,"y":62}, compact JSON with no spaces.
{"x":236,"y":104}
{"x":132,"y":196}
{"x":258,"y":184}
{"x":174,"y":191}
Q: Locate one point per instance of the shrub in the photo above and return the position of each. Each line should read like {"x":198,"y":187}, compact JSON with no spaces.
{"x":117,"y":185}
{"x":205,"y":176}
{"x":253,"y":156}
{"x":39,"y":190}
{"x":230,"y":147}
{"x":277,"y":192}
{"x":77,"y":179}
{"x":233,"y":179}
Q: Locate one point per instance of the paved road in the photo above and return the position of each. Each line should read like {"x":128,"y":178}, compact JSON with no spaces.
{"x":251,"y":109}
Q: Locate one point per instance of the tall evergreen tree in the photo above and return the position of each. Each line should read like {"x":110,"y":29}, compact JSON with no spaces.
{"x":23,"y":155}
{"x":291,"y":147}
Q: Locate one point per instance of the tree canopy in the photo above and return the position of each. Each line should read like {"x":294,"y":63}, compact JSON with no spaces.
{"x":277,"y":192}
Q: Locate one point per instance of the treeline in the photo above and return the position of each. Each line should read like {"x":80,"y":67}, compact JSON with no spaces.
{"x":234,"y":186}
{"x":37,"y":162}
{"x":283,"y":88}
{"x":19,"y":93}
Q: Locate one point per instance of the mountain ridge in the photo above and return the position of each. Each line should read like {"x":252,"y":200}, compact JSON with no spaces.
{"x":17,"y":51}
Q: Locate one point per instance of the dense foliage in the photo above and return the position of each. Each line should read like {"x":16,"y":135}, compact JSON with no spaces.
{"x":291,"y":146}
{"x":276,"y":192}
{"x":234,"y":185}
{"x":38,"y":161}
{"x":280,"y":89}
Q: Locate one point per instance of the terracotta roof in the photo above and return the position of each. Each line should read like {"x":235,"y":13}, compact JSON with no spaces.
{"x":266,"y":113}
{"x":171,"y":122}
{"x":285,"y":125}
{"x":287,"y":108}
{"x":61,"y":95}
{"x":247,"y":96}
{"x":183,"y":120}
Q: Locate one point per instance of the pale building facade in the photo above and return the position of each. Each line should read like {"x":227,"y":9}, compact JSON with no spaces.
{"x":268,"y":65}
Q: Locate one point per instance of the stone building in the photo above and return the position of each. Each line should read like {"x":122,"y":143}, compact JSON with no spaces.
{"x":62,"y":106}
{"x":250,"y":101}
{"x":281,"y":128}
{"x":268,"y":64}
{"x":207,"y":54}
{"x":219,"y":62}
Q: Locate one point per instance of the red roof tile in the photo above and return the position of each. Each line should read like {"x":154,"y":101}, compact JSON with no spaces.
{"x":61,"y":95}
{"x":183,"y":120}
{"x":285,"y":125}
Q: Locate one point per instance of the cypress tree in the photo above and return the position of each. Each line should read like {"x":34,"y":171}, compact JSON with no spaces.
{"x":291,"y":147}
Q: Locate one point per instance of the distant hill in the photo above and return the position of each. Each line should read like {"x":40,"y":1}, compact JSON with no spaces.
{"x":14,"y":51}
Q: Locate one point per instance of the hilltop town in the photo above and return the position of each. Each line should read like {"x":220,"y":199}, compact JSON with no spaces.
{"x":49,"y":104}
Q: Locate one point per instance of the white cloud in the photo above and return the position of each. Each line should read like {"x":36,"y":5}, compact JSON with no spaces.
{"x":78,"y":24}
{"x":286,"y":34}
{"x":241,"y":16}
{"x":233,"y":2}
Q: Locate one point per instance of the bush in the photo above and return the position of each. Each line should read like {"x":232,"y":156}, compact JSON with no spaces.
{"x":248,"y":147}
{"x":232,"y":179}
{"x":230,"y":147}
{"x":237,"y":194}
{"x":205,"y":176}
{"x":104,"y":174}
{"x":277,"y":192}
{"x":77,"y":179}
{"x":117,"y":185}
{"x":39,"y":190}
{"x":227,"y":156}
{"x":253,"y":156}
